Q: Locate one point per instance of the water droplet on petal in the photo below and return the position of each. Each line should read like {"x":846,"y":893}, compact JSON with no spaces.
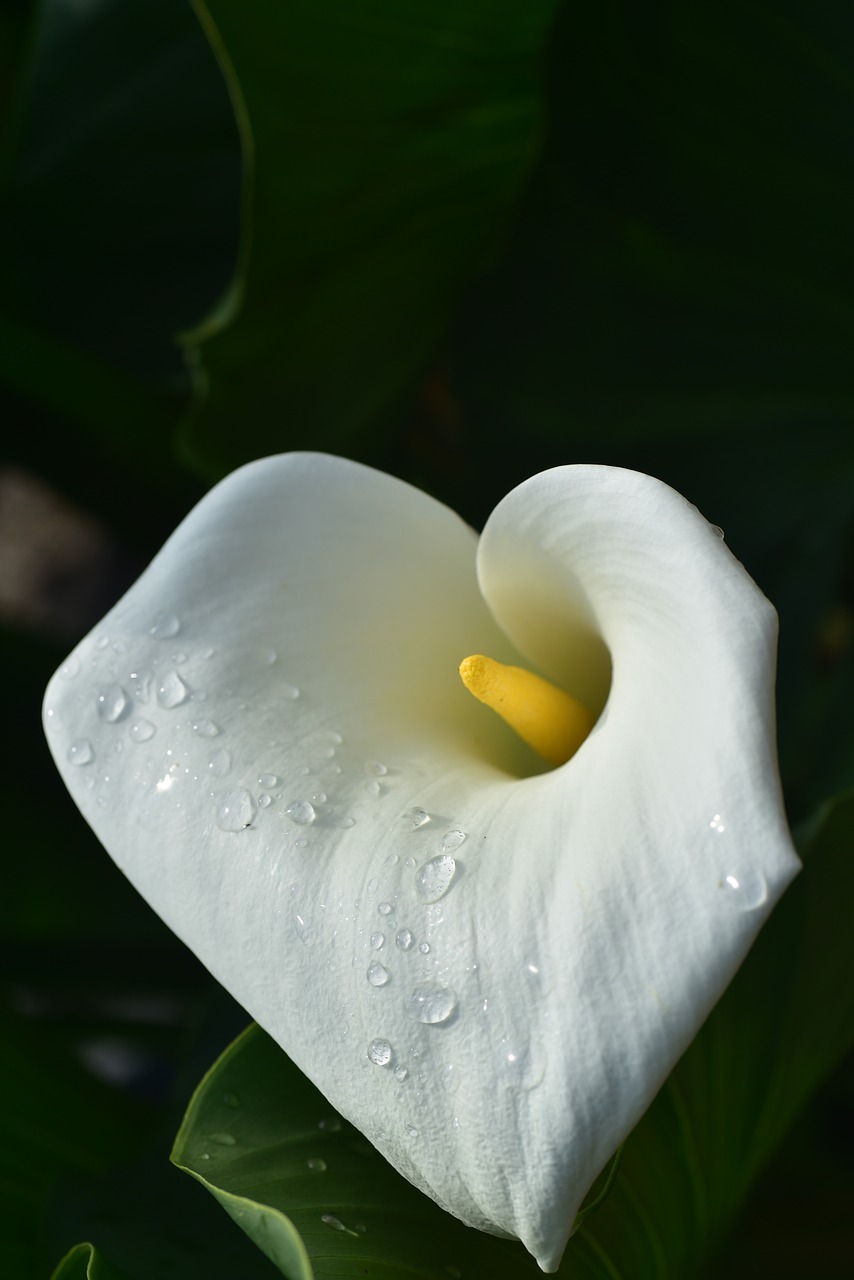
{"x":744,"y":892}
{"x":404,"y":939}
{"x":379,"y":1052}
{"x":301,"y":812}
{"x":142,"y":730}
{"x":375,"y":768}
{"x":289,"y":691}
{"x":172,"y":691}
{"x":81,"y":751}
{"x":268,"y":780}
{"x":220,"y":762}
{"x":400,"y":1073}
{"x":432,"y":1004}
{"x":384,"y":908}
{"x":452,"y":840}
{"x":264,"y":800}
{"x":206,"y":728}
{"x":164,"y":626}
{"x":235,"y":810}
{"x":717,"y":531}
{"x":378,"y":974}
{"x":347,"y":822}
{"x":316,"y":1165}
{"x":112,"y":703}
{"x":424,"y":948}
{"x":377,"y":940}
{"x":418,"y":817}
{"x":433,"y":880}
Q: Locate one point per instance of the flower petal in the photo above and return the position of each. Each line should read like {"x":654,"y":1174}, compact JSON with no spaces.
{"x":488,"y":969}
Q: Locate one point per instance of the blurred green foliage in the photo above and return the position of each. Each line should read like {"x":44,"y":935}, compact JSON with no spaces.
{"x":462,"y":242}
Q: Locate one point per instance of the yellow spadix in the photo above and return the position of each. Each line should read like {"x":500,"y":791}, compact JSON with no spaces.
{"x":549,"y":720}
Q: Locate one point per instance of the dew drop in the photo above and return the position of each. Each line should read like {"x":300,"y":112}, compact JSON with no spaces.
{"x":400,"y":1074}
{"x":268,"y":780}
{"x":418,"y":817}
{"x":373,"y":788}
{"x":433,"y":880}
{"x":452,"y":840}
{"x":717,"y":531}
{"x":376,"y":769}
{"x":142,"y":730}
{"x":220,"y":762}
{"x":235,"y":810}
{"x":141,"y":683}
{"x":172,"y":691}
{"x":305,"y":931}
{"x":379,"y":1052}
{"x":302,"y":812}
{"x":377,"y":940}
{"x":164,"y":626}
{"x":431,"y":1004}
{"x":81,"y":751}
{"x":112,"y":703}
{"x":744,"y":892}
{"x":378,"y":974}
{"x":264,"y":800}
{"x":289,"y":691}
{"x":316,"y":1165}
{"x":206,"y":728}
{"x":222,"y":1139}
{"x":384,"y":908}
{"x":409,"y":862}
{"x":347,"y":822}
{"x":337,"y":1225}
{"x":404,"y":939}
{"x":372,"y":885}
{"x":424,"y":948}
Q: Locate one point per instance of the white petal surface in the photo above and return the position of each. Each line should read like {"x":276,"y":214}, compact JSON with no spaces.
{"x":488,"y":968}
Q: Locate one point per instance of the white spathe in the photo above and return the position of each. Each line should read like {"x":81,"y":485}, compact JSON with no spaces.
{"x":269,"y":735}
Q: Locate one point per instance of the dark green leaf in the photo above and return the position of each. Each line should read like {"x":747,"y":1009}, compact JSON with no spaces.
{"x":384,"y":147}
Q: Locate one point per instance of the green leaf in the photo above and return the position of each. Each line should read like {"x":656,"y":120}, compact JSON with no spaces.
{"x":316,"y":1197}
{"x":84,"y":1262}
{"x":309,"y":1189}
{"x":121,"y":188}
{"x":384,"y":147}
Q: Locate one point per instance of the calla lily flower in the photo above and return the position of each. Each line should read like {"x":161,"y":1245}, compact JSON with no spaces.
{"x":487,"y":962}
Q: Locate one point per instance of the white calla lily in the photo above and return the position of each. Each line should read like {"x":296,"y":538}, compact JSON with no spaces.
{"x":487,"y":965}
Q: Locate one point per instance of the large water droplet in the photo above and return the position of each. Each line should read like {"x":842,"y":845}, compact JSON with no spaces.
{"x":142,"y":730}
{"x":81,"y":751}
{"x":302,"y":812}
{"x":452,"y":840}
{"x":379,"y":1052}
{"x":434,"y":878}
{"x":172,"y":691}
{"x":164,"y":626}
{"x":235,"y":810}
{"x":112,"y":703}
{"x":404,"y":939}
{"x":431,"y":1004}
{"x":378,"y":974}
{"x":418,"y":817}
{"x":744,"y":891}
{"x":220,"y":762}
{"x":206,"y":728}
